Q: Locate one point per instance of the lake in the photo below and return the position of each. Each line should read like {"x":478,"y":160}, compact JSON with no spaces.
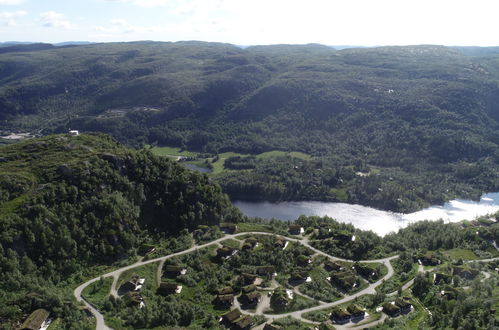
{"x":367,"y":218}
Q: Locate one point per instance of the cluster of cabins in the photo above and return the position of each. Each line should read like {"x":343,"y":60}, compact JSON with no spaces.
{"x":131,"y":291}
{"x":172,"y":272}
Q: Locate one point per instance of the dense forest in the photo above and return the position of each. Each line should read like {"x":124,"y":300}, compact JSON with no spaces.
{"x":424,"y":115}
{"x":72,"y":202}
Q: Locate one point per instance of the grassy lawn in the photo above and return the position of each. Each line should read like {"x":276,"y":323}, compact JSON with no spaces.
{"x":458,"y":253}
{"x":218,"y":165}
{"x":243,"y":227}
{"x":148,"y":272}
{"x":96,"y":292}
{"x":172,"y":152}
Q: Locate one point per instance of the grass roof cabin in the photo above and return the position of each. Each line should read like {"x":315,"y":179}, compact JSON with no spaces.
{"x":250,"y":299}
{"x":173,"y":271}
{"x":244,"y":323}
{"x":298,"y":276}
{"x":356,"y":311}
{"x":368,"y":272}
{"x":248,"y":288}
{"x":303,"y":260}
{"x":35,"y":320}
{"x":248,"y":279}
{"x":429,"y":259}
{"x":224,"y":300}
{"x":441,"y":278}
{"x":295,"y":229}
{"x":345,"y":280}
{"x":228,"y":228}
{"x":225,"y":290}
{"x":390,"y":309}
{"x":225,"y":253}
{"x":250,"y":243}
{"x":268,"y":326}
{"x":133,"y":299}
{"x":279,"y":299}
{"x":404,"y":305}
{"x":465,"y":272}
{"x":330,"y":266}
{"x":166,"y":288}
{"x":340,"y":316}
{"x":265,"y":270}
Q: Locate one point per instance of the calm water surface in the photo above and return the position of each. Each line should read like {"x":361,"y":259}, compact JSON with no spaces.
{"x":367,"y":218}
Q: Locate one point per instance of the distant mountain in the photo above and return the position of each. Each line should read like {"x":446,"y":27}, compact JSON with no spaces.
{"x":25,"y":48}
{"x":417,"y":109}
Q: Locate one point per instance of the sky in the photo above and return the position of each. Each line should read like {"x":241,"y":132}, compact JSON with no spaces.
{"x":254,"y":22}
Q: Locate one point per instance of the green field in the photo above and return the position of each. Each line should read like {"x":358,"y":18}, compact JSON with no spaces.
{"x":218,"y":164}
{"x":96,"y":292}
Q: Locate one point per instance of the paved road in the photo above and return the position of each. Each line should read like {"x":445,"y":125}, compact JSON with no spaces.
{"x":100,"y":324}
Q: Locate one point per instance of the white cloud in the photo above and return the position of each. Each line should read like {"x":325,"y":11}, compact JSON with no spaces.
{"x":11,"y":2}
{"x":122,"y":26}
{"x":9,"y":18}
{"x":55,"y":20}
{"x":144,"y":3}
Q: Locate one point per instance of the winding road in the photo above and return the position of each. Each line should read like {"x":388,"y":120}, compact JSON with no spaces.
{"x":100,"y":323}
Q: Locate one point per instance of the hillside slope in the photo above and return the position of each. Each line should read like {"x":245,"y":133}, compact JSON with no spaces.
{"x":412,"y":110}
{"x":71,"y":202}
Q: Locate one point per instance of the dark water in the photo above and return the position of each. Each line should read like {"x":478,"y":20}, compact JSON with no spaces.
{"x":367,"y":218}
{"x":197,"y":168}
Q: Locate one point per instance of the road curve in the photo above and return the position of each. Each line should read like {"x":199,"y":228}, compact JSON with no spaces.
{"x":100,"y":324}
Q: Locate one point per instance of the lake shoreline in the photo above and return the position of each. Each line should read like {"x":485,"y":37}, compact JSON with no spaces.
{"x":367,"y":218}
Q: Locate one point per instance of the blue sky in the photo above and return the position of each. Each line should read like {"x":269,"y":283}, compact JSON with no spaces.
{"x":251,"y":22}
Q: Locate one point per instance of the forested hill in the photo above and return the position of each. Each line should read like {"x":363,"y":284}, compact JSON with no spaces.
{"x":414,"y":110}
{"x":70,"y":202}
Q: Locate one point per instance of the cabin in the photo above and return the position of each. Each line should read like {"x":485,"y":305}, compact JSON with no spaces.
{"x":226,"y":290}
{"x":295,"y":229}
{"x":248,"y":288}
{"x":225,"y":253}
{"x":74,"y":132}
{"x":342,"y":236}
{"x":440,"y":278}
{"x":135,"y":284}
{"x":429,"y":259}
{"x":166,"y":288}
{"x":133,"y":299}
{"x":231,"y":316}
{"x":35,"y":320}
{"x":280,"y":300}
{"x":268,"y":326}
{"x":251,"y":298}
{"x":228,"y":228}
{"x":298,"y":277}
{"x":200,"y":231}
{"x":265,"y":270}
{"x":146,"y":249}
{"x":366,"y":271}
{"x":236,"y":320}
{"x":340,"y":316}
{"x":344,"y":279}
{"x":465,"y":272}
{"x":356,"y":311}
{"x":248,"y":279}
{"x":250,"y":243}
{"x":173,"y":271}
{"x":244,"y":323}
{"x":330,"y":266}
{"x":303,"y":260}
{"x":405,"y":307}
{"x":224,"y":300}
{"x":390,"y":309}
{"x":281,"y":244}
{"x":450,"y":292}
